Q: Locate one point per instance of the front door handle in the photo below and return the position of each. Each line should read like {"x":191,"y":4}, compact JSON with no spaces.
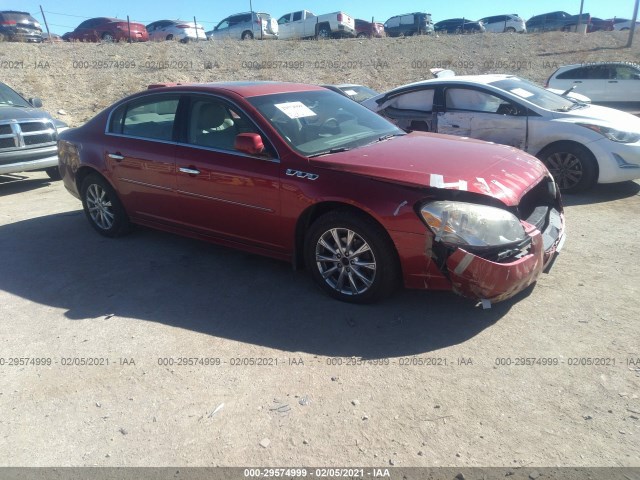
{"x":116,"y":156}
{"x":613,"y":81}
{"x":578,"y":81}
{"x":190,"y":171}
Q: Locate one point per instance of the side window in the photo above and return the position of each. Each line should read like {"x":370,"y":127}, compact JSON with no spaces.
{"x":223,"y":25}
{"x":297,"y":16}
{"x":150,"y":118}
{"x":472,"y":100}
{"x":284,"y":19}
{"x":421,"y":100}
{"x":393,"y":22}
{"x":624,"y":72}
{"x":215,"y":124}
{"x":406,"y":20}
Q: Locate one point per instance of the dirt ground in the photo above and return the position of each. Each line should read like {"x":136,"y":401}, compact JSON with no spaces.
{"x":211,"y":357}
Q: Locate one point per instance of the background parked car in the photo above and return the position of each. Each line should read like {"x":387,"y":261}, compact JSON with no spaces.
{"x":19,"y":27}
{"x":245,"y":26}
{"x":458,"y":25}
{"x":556,"y":21}
{"x":357,"y":93}
{"x":581,"y":144}
{"x":54,"y":37}
{"x":28,"y":135}
{"x":622,"y":23}
{"x":417,"y":23}
{"x":504,"y":23}
{"x":598,"y":24}
{"x":175,"y":30}
{"x":305,"y":24}
{"x":105,"y":29}
{"x":615,"y":84}
{"x":368,"y":29}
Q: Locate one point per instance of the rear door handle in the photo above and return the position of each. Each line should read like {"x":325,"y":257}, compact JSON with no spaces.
{"x":578,"y":81}
{"x":190,"y":171}
{"x":116,"y":156}
{"x":613,"y":81}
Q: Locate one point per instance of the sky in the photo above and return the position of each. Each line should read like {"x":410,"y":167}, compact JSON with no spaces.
{"x":65,"y":15}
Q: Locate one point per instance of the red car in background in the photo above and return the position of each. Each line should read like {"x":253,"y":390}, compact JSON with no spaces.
{"x":104,"y":29}
{"x":306,"y":175}
{"x":368,"y":29}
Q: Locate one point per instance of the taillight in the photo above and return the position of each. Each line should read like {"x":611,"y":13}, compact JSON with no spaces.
{"x":340,"y":17}
{"x":11,"y":23}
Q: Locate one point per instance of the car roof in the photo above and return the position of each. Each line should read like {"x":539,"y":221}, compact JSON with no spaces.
{"x":242,"y":88}
{"x":467,"y":79}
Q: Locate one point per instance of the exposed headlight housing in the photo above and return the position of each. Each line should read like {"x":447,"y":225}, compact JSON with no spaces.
{"x":613,"y":134}
{"x":460,"y":223}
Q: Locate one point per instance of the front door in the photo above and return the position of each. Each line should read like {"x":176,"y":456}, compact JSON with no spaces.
{"x":223,"y":192}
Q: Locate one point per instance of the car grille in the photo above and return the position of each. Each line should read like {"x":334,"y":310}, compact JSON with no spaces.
{"x":27,"y":133}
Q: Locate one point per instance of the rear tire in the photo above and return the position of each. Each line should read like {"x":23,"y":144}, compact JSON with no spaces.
{"x":103,"y":207}
{"x":351,"y":257}
{"x":169,"y":37}
{"x":324,"y":33}
{"x":107,"y":37}
{"x":362,"y":35}
{"x":247,"y":35}
{"x":510,"y":30}
{"x":573,"y":166}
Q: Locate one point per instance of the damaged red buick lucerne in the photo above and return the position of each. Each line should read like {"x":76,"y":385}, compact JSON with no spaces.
{"x":305,"y":175}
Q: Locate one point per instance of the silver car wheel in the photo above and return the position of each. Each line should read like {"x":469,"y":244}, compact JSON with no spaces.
{"x":100,"y":207}
{"x":345,"y":261}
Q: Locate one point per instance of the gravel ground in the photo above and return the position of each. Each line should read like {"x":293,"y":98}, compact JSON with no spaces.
{"x":435,"y":380}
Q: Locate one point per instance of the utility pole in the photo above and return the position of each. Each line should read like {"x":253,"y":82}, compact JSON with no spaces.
{"x":580,"y":16}
{"x":632,"y":27}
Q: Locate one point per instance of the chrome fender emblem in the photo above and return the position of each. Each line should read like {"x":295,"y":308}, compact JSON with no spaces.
{"x":297,"y":173}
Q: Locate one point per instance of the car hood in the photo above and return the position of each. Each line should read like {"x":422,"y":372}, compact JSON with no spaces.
{"x":602,"y":116}
{"x":20,"y":113}
{"x":442,"y":161}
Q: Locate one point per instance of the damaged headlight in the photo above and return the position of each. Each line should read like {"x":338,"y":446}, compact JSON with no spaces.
{"x":613,"y":134}
{"x":462,"y":223}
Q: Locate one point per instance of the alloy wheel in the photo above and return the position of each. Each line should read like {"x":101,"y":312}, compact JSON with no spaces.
{"x":100,"y":207}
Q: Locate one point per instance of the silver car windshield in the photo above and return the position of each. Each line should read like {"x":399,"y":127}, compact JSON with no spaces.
{"x":535,"y":94}
{"x":321,"y":122}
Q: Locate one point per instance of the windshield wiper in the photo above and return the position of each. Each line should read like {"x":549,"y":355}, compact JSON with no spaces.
{"x":390,"y":135}
{"x":331,"y":150}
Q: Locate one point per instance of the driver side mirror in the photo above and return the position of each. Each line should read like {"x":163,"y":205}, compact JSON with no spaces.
{"x":250,"y":143}
{"x":36,"y":102}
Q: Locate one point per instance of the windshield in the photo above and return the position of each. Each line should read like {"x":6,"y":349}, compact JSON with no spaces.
{"x":11,"y":98}
{"x":358,"y":93}
{"x":534,"y":94}
{"x":319,"y":122}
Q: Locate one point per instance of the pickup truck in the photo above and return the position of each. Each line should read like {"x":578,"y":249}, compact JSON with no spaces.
{"x":556,"y":21}
{"x":28,"y":135}
{"x":304,"y":24}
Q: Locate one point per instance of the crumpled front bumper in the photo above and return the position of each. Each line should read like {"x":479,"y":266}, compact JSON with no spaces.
{"x":475,"y":277}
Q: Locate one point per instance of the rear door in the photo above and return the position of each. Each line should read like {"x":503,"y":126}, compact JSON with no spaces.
{"x":476,"y":113}
{"x":223,"y":192}
{"x":140,"y":153}
{"x":624,"y":84}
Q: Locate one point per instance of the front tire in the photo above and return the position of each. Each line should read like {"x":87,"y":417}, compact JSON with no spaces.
{"x":53,"y":173}
{"x":103,"y":207}
{"x":107,"y":37}
{"x":247,"y":36}
{"x":351,"y":257}
{"x":573,"y":166}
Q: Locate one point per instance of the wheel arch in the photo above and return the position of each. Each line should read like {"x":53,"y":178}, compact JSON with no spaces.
{"x":315,"y":211}
{"x":558,"y":143}
{"x":84,"y":171}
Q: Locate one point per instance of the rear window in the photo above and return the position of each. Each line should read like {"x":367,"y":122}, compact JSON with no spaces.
{"x":149,"y":117}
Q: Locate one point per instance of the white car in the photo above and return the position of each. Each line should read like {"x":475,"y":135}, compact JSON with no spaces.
{"x":175,"y":30}
{"x":581,"y":144}
{"x":622,"y":24}
{"x":615,"y":84}
{"x":504,"y":23}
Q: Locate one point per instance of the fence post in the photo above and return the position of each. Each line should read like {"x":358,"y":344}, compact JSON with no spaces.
{"x":129,"y":28}
{"x":195,"y":24}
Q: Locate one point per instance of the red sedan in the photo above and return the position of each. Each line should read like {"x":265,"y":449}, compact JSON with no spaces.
{"x":104,"y":29}
{"x":303,"y":174}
